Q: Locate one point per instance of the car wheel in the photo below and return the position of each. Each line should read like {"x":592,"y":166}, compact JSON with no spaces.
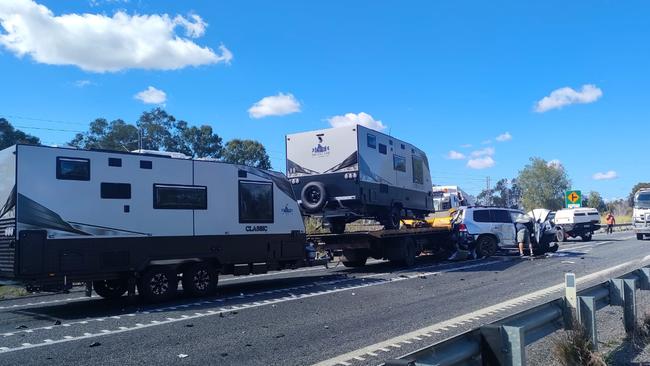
{"x":486,"y":246}
{"x":110,"y":289}
{"x":586,"y":237}
{"x":158,"y":284}
{"x":393,"y":219}
{"x":200,"y":279}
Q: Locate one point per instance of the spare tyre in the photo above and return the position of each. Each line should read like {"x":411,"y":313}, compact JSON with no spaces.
{"x":313,"y":196}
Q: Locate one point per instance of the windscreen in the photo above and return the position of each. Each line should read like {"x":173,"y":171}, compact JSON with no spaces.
{"x":642,"y":200}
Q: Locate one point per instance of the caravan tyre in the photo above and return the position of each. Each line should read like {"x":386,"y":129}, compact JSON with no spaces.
{"x":337,"y":225}
{"x":560,"y":236}
{"x":200,"y":279}
{"x":313,"y":196}
{"x":158,"y":284}
{"x":586,"y":237}
{"x":393,"y":219}
{"x":110,"y":289}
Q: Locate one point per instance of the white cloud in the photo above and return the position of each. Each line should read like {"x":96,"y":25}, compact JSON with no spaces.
{"x":481,"y":163}
{"x":555,"y":163}
{"x":351,"y":119}
{"x":275,"y":105}
{"x":606,"y":176}
{"x":506,"y":136}
{"x":151,"y":96}
{"x":486,"y":142}
{"x":488,"y":151}
{"x":567,"y":96}
{"x":466,"y":146}
{"x":455,"y":155}
{"x":82,"y":83}
{"x":101,"y":43}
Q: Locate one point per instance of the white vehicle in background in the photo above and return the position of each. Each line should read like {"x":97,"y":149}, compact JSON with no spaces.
{"x":448,"y":197}
{"x":349,"y":173}
{"x":574,"y":222}
{"x":641,"y":213}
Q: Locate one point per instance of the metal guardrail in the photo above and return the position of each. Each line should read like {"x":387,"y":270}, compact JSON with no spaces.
{"x":504,"y":341}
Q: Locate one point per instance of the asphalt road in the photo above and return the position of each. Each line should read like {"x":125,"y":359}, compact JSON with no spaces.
{"x":307,"y":316}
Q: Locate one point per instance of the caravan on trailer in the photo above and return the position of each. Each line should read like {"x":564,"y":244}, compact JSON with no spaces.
{"x":119,"y":219}
{"x":347,"y":173}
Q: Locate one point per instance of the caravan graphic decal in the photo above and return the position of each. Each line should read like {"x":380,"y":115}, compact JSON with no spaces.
{"x":320,"y":149}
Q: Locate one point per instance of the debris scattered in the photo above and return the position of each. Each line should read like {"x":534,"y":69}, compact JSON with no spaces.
{"x":248,"y":345}
{"x":58,"y":322}
{"x":327,"y":327}
{"x":423,"y":277}
{"x":94,"y":344}
{"x":353,"y":294}
{"x":21,"y":327}
{"x":462,"y":279}
{"x":234,"y":312}
{"x":568,"y":262}
{"x":280,"y":336}
{"x":189,"y":325}
{"x":404,"y":276}
{"x":224,"y":354}
{"x":182,"y":355}
{"x":221,"y":315}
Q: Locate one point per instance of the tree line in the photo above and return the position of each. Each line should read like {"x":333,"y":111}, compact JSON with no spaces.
{"x":154,"y":130}
{"x":542,"y":184}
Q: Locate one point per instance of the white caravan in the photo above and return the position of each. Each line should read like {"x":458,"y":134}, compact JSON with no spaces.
{"x":348,"y":173}
{"x":641,"y":213}
{"x":108,"y":217}
{"x":574,"y":222}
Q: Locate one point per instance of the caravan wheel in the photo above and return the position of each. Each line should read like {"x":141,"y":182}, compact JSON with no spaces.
{"x":200,"y":279}
{"x":158,"y":284}
{"x":110,"y":289}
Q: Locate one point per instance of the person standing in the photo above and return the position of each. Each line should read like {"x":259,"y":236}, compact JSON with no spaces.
{"x":610,"y":222}
{"x":523,"y":237}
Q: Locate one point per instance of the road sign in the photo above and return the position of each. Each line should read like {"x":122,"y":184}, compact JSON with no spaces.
{"x":573,"y":199}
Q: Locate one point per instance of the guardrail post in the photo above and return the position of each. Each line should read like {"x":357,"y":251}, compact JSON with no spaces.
{"x":503,"y":345}
{"x":644,"y":278}
{"x":629,"y":304}
{"x":622,"y":292}
{"x":586,"y":314}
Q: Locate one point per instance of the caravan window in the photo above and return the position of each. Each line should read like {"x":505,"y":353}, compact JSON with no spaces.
{"x":399,"y":163}
{"x":115,"y":190}
{"x":72,"y":168}
{"x":255,"y":202}
{"x":418,"y":170}
{"x":175,"y":197}
{"x":372,"y":141}
{"x":382,"y":149}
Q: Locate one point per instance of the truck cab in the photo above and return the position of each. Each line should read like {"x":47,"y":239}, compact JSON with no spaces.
{"x":641,"y":214}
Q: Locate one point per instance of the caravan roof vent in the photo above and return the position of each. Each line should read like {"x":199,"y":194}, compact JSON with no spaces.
{"x":173,"y":155}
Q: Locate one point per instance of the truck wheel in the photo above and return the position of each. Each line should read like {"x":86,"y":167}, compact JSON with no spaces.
{"x":586,"y":237}
{"x":639,"y":236}
{"x":200,"y":279}
{"x":313,"y":196}
{"x":354,"y":258}
{"x":110,"y":289}
{"x":409,"y":252}
{"x":393,"y":218}
{"x":337,"y":225}
{"x":560,"y":236}
{"x":486,"y":246}
{"x":158,"y":284}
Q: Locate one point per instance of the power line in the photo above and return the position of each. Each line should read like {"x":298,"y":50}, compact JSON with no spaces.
{"x":47,"y":129}
{"x":44,"y":120}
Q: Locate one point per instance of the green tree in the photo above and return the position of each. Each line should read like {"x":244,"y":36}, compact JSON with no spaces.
{"x":542,"y":185}
{"x":594,"y":200}
{"x":11,"y":136}
{"x":504,"y":194}
{"x":630,"y":198}
{"x":155,"y":130}
{"x":246,"y":152}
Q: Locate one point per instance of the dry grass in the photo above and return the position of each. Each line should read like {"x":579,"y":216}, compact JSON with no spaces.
{"x":573,"y":348}
{"x":640,"y":336}
{"x":7,"y":292}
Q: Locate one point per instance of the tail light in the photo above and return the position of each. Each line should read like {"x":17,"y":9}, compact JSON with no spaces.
{"x":462,"y":227}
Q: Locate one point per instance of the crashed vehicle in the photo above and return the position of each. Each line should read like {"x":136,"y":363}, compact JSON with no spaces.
{"x":574,"y":222}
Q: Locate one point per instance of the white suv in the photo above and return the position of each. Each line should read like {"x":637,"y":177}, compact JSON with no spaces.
{"x":489,"y":228}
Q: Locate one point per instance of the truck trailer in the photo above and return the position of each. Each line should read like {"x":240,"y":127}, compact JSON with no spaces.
{"x":118,"y":220}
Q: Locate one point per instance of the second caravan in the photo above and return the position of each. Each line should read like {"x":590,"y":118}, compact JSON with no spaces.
{"x":347,"y":173}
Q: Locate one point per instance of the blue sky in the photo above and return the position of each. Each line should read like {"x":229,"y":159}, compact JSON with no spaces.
{"x":441,"y":75}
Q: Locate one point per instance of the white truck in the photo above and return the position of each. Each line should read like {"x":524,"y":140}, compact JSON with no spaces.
{"x":347,"y":173}
{"x":641,"y":213}
{"x":574,"y":222}
{"x":448,"y":197}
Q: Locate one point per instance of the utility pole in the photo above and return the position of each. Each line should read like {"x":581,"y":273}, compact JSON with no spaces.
{"x":489,"y":196}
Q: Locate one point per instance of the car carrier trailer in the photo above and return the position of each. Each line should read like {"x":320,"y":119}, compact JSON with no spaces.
{"x":117,"y":221}
{"x":400,"y":246}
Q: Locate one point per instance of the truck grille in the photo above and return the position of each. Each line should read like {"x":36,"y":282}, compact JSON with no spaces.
{"x":7,"y":250}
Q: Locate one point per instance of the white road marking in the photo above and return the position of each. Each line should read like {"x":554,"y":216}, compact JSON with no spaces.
{"x":487,"y":310}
